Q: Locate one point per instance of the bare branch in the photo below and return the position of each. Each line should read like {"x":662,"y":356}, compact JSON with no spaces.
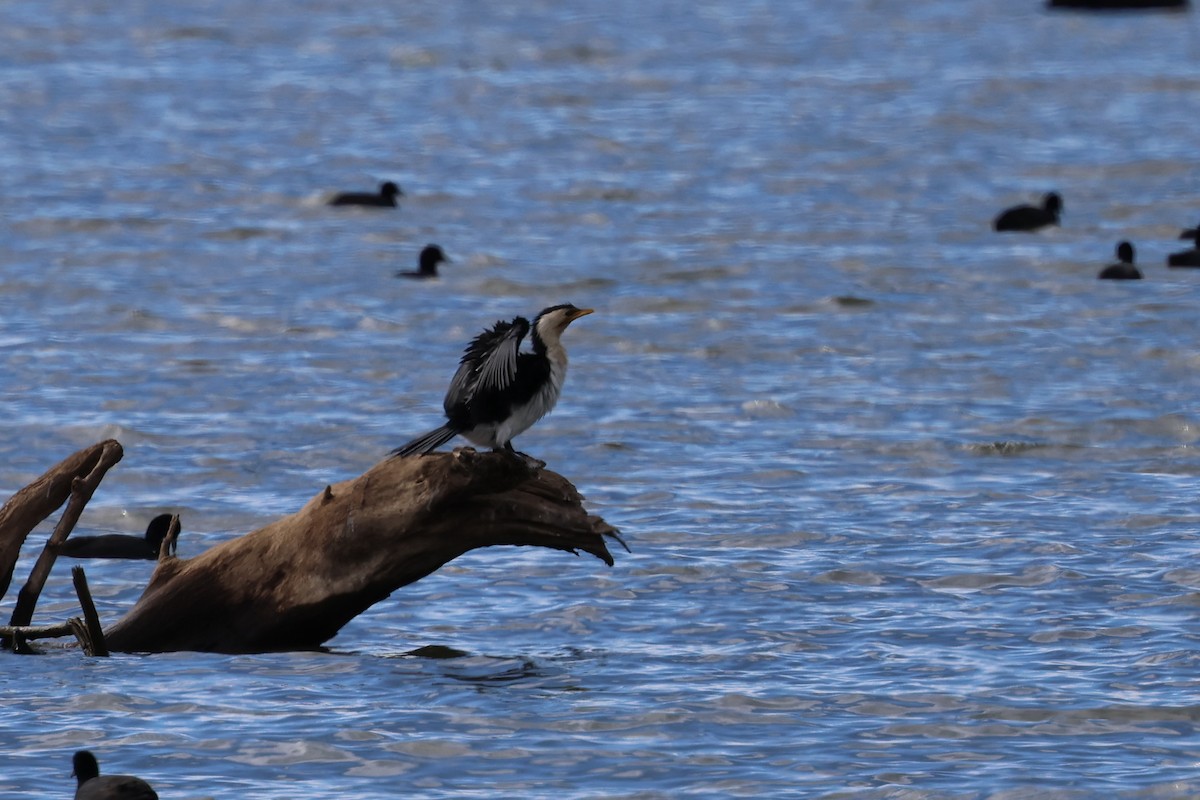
{"x":294,"y":583}
{"x":32,"y":504}
{"x":110,"y":453}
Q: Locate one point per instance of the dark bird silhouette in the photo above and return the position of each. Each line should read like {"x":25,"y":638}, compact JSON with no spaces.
{"x":1187,"y":258}
{"x":498,"y":392}
{"x":1123,"y":270}
{"x":1189,"y":233}
{"x":94,"y":786}
{"x":431,"y":256}
{"x":386,"y":198}
{"x":120,"y":545}
{"x":1030,"y":218}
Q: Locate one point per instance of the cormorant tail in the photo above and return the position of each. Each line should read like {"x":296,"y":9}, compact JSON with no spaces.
{"x":423,"y":444}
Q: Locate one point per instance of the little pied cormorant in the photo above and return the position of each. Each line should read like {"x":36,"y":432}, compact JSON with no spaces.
{"x":386,"y":198}
{"x":498,"y":392}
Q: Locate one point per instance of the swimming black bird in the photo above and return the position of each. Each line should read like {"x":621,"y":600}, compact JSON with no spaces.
{"x":431,"y":256}
{"x":94,"y":786}
{"x":120,"y":545}
{"x":1123,"y":270}
{"x":388,"y":192}
{"x":1187,"y":258}
{"x":1030,"y":218}
{"x":498,"y":391}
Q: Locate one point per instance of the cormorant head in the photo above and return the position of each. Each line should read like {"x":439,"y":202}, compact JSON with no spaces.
{"x":1125,"y":252}
{"x":390,"y":189}
{"x":552,"y":321}
{"x":1052,"y":203}
{"x":85,"y":766}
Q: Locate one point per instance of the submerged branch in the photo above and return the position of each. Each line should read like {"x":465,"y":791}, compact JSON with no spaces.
{"x":82,"y":488}
{"x":295,"y":582}
{"x":32,"y":504}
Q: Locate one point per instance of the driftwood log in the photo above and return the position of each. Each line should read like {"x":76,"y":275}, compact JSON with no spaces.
{"x":82,"y":488}
{"x":77,"y":475}
{"x":295,"y":582}
{"x":73,"y":480}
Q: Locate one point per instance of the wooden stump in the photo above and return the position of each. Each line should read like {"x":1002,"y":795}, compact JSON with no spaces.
{"x":295,"y":582}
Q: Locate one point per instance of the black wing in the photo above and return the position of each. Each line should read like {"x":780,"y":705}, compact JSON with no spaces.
{"x":488,"y":365}
{"x":1018,"y":218}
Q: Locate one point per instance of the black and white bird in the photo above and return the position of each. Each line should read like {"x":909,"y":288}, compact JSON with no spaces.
{"x":1124,"y":269}
{"x":120,"y":545}
{"x":431,"y":256}
{"x":94,"y":786}
{"x":386,"y":198}
{"x":1030,"y":218}
{"x":499,"y":391}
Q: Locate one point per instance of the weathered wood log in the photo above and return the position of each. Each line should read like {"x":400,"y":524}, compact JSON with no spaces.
{"x":19,"y":636}
{"x":94,"y":644}
{"x":37,"y":631}
{"x":29,"y":506}
{"x":86,"y":631}
{"x":82,"y":488}
{"x":295,"y":582}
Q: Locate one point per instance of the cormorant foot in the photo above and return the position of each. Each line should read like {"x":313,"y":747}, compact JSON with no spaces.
{"x":527,"y":460}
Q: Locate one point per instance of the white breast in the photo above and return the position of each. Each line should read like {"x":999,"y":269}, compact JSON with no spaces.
{"x":523,"y":417}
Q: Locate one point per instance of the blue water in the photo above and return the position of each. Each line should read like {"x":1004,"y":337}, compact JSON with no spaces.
{"x":911,"y":504}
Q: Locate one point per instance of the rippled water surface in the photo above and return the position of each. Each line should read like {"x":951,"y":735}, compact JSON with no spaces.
{"x":911,"y":503}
